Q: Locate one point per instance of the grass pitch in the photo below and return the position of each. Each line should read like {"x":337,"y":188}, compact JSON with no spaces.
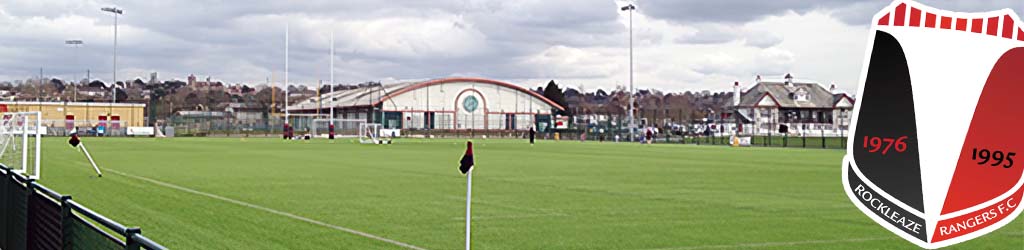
{"x":230,"y":193}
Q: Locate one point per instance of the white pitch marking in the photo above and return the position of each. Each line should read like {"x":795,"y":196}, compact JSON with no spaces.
{"x":775,"y":244}
{"x":269,"y":210}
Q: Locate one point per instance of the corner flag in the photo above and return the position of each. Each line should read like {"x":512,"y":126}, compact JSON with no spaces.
{"x":77,"y":143}
{"x":466,"y":163}
{"x":74,"y":141}
{"x":466,"y":167}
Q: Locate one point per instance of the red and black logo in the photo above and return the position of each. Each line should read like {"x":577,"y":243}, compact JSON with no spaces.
{"x":935,"y":151}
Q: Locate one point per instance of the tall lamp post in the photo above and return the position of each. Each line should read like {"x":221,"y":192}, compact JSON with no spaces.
{"x":632,"y":123}
{"x":113,"y":90}
{"x":75,"y":44}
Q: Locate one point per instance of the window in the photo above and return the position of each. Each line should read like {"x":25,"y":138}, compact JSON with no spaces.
{"x":799,"y":95}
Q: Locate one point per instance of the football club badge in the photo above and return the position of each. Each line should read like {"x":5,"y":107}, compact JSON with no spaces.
{"x":935,"y":147}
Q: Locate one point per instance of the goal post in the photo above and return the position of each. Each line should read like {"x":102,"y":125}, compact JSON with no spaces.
{"x":343,"y":128}
{"x":20,"y":141}
{"x":369,"y":133}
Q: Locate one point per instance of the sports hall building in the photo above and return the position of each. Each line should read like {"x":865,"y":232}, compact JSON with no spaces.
{"x":441,"y":104}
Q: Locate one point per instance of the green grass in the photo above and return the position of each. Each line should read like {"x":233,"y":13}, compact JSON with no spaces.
{"x":555,"y":195}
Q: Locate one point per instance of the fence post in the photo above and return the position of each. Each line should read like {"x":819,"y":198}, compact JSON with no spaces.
{"x":5,"y":205}
{"x":28,"y":198}
{"x":65,"y":222}
{"x":129,"y":239}
{"x":822,"y":138}
{"x":803,"y":136}
{"x":842,"y":138}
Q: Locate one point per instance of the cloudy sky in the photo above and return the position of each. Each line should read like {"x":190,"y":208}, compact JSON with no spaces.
{"x":679,"y":44}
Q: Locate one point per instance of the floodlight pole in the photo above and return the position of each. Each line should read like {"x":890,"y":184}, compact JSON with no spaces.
{"x":632,"y":123}
{"x":113,"y":89}
{"x":75,"y":44}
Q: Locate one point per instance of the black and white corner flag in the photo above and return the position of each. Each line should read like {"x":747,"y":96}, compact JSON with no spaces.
{"x":466,"y":163}
{"x":74,"y":141}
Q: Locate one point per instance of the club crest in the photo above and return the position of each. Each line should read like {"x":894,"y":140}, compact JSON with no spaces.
{"x":934,"y":153}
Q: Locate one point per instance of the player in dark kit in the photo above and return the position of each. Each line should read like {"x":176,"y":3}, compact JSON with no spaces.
{"x":533,"y":133}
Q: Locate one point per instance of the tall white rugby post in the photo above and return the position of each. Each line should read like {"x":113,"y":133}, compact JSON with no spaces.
{"x":332,"y":78}
{"x":632,"y":124}
{"x":286,"y":113}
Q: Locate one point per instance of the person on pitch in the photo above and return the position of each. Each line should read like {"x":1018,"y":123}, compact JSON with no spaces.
{"x":533,"y":133}
{"x":650,"y":136}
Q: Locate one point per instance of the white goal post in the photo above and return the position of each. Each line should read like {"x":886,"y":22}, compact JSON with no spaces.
{"x":343,"y":128}
{"x":369,"y":133}
{"x":20,"y":139}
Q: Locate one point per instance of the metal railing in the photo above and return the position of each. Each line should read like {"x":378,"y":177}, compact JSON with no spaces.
{"x":33,"y":216}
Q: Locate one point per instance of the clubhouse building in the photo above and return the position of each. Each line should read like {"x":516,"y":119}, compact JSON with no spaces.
{"x":792,"y":106}
{"x":440,"y":104}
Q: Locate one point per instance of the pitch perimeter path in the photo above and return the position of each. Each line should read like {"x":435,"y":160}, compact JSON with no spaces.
{"x":229,"y":193}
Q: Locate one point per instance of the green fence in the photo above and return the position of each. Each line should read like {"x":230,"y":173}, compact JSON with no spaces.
{"x":35,"y":217}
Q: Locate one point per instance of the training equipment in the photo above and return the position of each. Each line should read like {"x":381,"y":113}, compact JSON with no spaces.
{"x":369,"y":133}
{"x":20,"y":138}
{"x":343,"y":128}
{"x":935,"y":130}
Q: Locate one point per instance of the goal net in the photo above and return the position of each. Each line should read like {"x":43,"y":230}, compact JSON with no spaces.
{"x":20,"y":138}
{"x":343,"y":128}
{"x":369,"y":133}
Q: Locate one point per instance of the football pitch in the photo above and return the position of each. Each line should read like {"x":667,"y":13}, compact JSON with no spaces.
{"x":262,"y":193}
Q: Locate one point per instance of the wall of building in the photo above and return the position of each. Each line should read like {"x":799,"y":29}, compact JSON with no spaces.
{"x":497,"y":106}
{"x":85,"y":113}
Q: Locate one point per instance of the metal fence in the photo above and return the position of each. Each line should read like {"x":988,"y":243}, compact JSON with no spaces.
{"x":35,"y":217}
{"x":801,"y":141}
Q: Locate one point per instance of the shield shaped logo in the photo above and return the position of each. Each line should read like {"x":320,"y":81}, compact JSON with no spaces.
{"x":934,"y":154}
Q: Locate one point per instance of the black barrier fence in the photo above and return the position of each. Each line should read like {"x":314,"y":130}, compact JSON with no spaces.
{"x":35,"y":217}
{"x":787,"y":141}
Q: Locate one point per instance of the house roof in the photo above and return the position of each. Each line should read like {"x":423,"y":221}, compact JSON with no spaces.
{"x":783,"y":94}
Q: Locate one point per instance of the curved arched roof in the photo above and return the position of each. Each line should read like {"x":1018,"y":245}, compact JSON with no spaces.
{"x":467,"y":79}
{"x":377,"y":94}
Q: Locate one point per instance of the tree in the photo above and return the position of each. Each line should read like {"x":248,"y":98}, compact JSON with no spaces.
{"x":555,"y":94}
{"x":58,"y":85}
{"x":121,"y":95}
{"x":97,"y":84}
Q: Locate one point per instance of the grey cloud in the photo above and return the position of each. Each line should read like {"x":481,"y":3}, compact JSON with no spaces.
{"x":855,"y":12}
{"x":242,"y":41}
{"x":180,"y":37}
